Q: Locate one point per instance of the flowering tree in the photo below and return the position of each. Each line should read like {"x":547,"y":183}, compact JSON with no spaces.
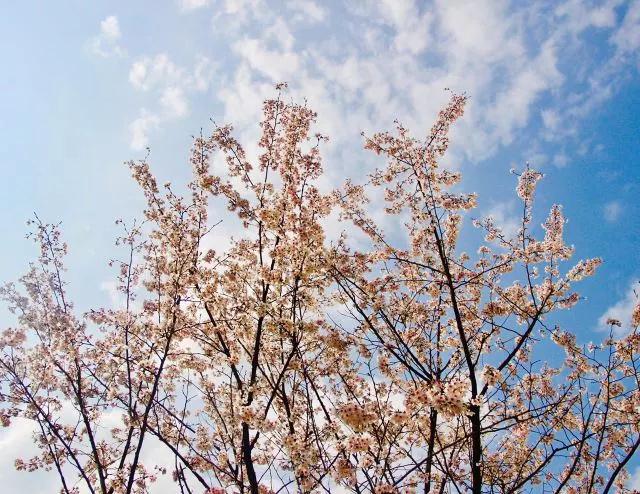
{"x":288,"y":363}
{"x":460,"y":342}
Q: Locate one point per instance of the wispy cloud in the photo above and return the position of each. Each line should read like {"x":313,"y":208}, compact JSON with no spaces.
{"x":627,"y":37}
{"x":193,"y":4}
{"x":172,"y":86}
{"x":612,"y":211}
{"x":389,"y":59}
{"x":393,"y":59}
{"x":106,"y":42}
{"x":307,"y":11}
{"x":622,"y":309}
{"x":505,"y":217}
{"x":140,"y":129}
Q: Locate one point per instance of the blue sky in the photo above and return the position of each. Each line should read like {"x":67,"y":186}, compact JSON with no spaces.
{"x":86,"y":85}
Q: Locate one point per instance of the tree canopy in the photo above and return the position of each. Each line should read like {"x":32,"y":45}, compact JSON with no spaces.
{"x":378,"y":362}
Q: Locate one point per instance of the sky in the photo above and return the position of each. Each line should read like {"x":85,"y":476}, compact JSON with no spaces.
{"x":86,"y":85}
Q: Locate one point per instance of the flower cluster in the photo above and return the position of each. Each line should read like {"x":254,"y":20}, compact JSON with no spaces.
{"x":490,"y":375}
{"x":358,"y":417}
{"x":527,"y":182}
{"x":448,"y":398}
{"x":358,"y":443}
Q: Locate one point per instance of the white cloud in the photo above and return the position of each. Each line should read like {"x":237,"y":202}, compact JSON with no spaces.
{"x":512,"y":109}
{"x":578,"y":15}
{"x":599,"y":77}
{"x":505,"y":216}
{"x":634,"y":481}
{"x":627,"y":37}
{"x":202,"y":75}
{"x":110,"y":28}
{"x":148,"y":73}
{"x":17,"y":441}
{"x":159,"y":72}
{"x":396,"y":58}
{"x":235,"y":16}
{"x":242,"y":97}
{"x":307,"y":10}
{"x":105,"y":44}
{"x":393,"y":58}
{"x":411,"y":27}
{"x":560,"y":160}
{"x":612,"y":211}
{"x":550,"y":119}
{"x":116,"y":297}
{"x":140,"y":129}
{"x":138,"y":74}
{"x":172,"y":85}
{"x":275,"y":65}
{"x":622,"y":309}
{"x":174,"y":103}
{"x":194,"y":4}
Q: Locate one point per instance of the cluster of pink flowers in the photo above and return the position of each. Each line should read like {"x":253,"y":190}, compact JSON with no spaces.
{"x":448,"y":398}
{"x":358,"y":417}
{"x":527,"y":182}
{"x":385,"y":489}
{"x":635,"y":315}
{"x":491,"y":375}
{"x":358,"y":443}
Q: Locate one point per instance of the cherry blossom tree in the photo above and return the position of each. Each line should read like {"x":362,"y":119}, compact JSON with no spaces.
{"x":379,"y":362}
{"x":461,"y":342}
